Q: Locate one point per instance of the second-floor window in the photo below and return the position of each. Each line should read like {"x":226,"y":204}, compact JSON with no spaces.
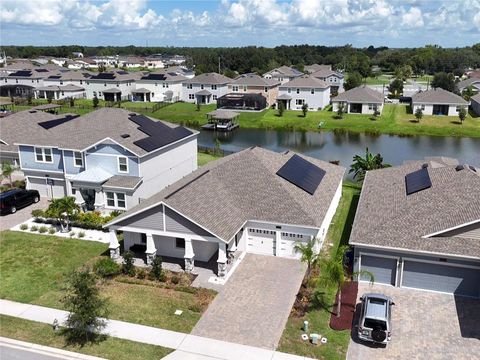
{"x":189,"y":86}
{"x":122,"y":164}
{"x":235,"y":88}
{"x":214,"y":87}
{"x":43,"y":155}
{"x":77,"y":159}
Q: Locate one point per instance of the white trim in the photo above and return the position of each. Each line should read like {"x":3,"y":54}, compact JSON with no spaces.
{"x":120,"y":187}
{"x":43,"y":177}
{"x":111,"y":155}
{"x":126,"y":164}
{"x":452,"y":228}
{"x":438,"y":292}
{"x":165,"y":233}
{"x":42,"y":170}
{"x":75,"y":159}
{"x":108,"y":138}
{"x":442,"y":263}
{"x":115,"y":200}
{"x":383,"y":257}
{"x":43,"y":154}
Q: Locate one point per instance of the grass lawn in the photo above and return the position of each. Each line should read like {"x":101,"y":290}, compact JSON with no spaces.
{"x":33,"y":269}
{"x":394,"y":120}
{"x":319,"y":318}
{"x":111,"y":348}
{"x":203,"y":158}
{"x":378,"y":80}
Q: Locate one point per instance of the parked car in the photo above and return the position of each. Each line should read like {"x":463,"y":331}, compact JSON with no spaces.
{"x":14,"y":199}
{"x":388,"y":100}
{"x":374,"y":324}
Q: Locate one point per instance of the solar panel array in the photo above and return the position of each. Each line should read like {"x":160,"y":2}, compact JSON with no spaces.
{"x":52,"y":123}
{"x":22,"y":73}
{"x":104,"y":76}
{"x":302,"y":173}
{"x":417,"y":181}
{"x":160,"y":77}
{"x":41,"y":70}
{"x":159,"y":133}
{"x":55,"y":76}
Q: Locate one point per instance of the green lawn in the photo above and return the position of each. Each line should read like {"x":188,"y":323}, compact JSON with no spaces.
{"x":203,"y":158}
{"x":319,"y":318}
{"x":378,"y":80}
{"x":33,"y":270}
{"x":394,"y":120}
{"x":111,"y":348}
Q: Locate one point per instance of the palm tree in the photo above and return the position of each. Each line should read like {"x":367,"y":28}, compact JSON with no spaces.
{"x":308,"y":253}
{"x":63,"y":209}
{"x":468,"y":93}
{"x":333,"y":274}
{"x":7,"y":171}
{"x":361,"y":165}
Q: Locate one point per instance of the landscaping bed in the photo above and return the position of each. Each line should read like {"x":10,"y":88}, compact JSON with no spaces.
{"x":347,"y":307}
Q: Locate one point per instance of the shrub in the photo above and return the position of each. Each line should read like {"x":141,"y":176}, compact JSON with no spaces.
{"x":72,"y":234}
{"x":52,"y":230}
{"x":81,"y":234}
{"x":156,"y":270}
{"x":42,"y":229}
{"x":128,"y":268}
{"x":34,"y":228}
{"x":106,"y":267}
{"x":38,"y":213}
{"x":141,"y":274}
{"x":175,"y":279}
{"x":23,"y":227}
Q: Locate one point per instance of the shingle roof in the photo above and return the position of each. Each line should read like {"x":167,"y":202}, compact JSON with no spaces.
{"x":223,"y":194}
{"x":306,"y":81}
{"x":361,"y":94}
{"x":254,"y":80}
{"x":286,"y":71}
{"x":209,"y":78}
{"x":316,"y":67}
{"x":122,"y":181}
{"x":387,"y":217}
{"x":476,"y":98}
{"x":438,"y":96}
{"x":324,"y":73}
{"x":474,"y":82}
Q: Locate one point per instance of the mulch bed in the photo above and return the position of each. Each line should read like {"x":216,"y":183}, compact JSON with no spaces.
{"x":349,"y":300}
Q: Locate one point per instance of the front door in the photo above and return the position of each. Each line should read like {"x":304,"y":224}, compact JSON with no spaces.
{"x":88,"y":196}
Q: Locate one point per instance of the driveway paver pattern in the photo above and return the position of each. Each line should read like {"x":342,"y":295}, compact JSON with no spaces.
{"x":425,"y":325}
{"x":8,"y":221}
{"x":254,"y":306}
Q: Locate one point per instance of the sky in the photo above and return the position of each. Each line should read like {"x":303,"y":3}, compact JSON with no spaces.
{"x":211,"y":23}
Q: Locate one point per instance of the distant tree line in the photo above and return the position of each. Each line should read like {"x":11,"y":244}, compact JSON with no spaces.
{"x":425,"y":60}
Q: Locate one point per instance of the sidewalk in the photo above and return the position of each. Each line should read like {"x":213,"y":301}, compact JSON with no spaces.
{"x":187,"y":346}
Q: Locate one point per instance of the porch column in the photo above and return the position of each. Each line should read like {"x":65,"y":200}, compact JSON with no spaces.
{"x":151,"y":251}
{"x":222,"y":259}
{"x":114,"y":245}
{"x":278,"y":242}
{"x":189,"y":256}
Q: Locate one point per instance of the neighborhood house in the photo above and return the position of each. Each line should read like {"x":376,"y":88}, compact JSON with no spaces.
{"x":304,"y":89}
{"x":359,"y":100}
{"x":438,"y":102}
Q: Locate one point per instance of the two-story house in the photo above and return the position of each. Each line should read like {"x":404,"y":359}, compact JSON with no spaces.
{"x":254,"y":84}
{"x":22,"y":83}
{"x":205,"y":88}
{"x":64,"y":84}
{"x":283,"y":74}
{"x":304,"y":90}
{"x":108,"y":159}
{"x":114,"y":85}
{"x":334,"y":78}
{"x":161,"y":85}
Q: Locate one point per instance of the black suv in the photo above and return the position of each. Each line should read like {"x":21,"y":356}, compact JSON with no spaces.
{"x":14,"y":199}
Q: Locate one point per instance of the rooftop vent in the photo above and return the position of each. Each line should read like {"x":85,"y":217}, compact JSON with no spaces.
{"x":125,"y":136}
{"x":424,"y":166}
{"x":472,"y":168}
{"x":32,"y":111}
{"x":459,"y":167}
{"x":132,"y":114}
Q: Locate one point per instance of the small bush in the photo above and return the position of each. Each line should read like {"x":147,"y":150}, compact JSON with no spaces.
{"x":128,"y":268}
{"x":81,"y":234}
{"x":72,"y":234}
{"x":38,"y":213}
{"x":175,"y":279}
{"x":106,"y":267}
{"x":141,"y":274}
{"x":23,"y":227}
{"x":34,"y":228}
{"x":52,"y":230}
{"x":42,"y":229}
{"x":156,"y":270}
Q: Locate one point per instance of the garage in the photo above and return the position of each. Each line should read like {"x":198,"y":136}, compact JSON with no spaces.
{"x":58,"y":189}
{"x":441,"y":277}
{"x":39,"y":184}
{"x":383,"y":269}
{"x":261,"y":241}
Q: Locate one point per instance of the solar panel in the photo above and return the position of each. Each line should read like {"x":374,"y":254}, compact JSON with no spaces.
{"x":55,"y":76}
{"x":22,"y":73}
{"x":172,"y":74}
{"x":52,"y":123}
{"x":105,"y":76}
{"x":302,"y":173}
{"x":154,"y":77}
{"x":41,"y":70}
{"x":417,"y":181}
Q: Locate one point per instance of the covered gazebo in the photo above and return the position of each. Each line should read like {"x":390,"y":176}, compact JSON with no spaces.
{"x":221,"y":119}
{"x":51,"y":108}
{"x":141,"y":94}
{"x":285,"y":99}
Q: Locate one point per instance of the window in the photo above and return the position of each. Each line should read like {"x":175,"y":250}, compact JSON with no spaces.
{"x":122,"y":164}
{"x":244,"y":88}
{"x":299,"y":102}
{"x":191,"y":96}
{"x":143,"y":238}
{"x":77,"y":159}
{"x":289,"y":90}
{"x":115,"y":200}
{"x":312,"y":91}
{"x":422,"y":107}
{"x":61,"y":82}
{"x":234,"y":88}
{"x":43,"y":155}
{"x":180,"y":243}
{"x":214,"y":97}
{"x":265,"y":89}
{"x":298,"y":91}
{"x":81,"y":82}
{"x":189,"y":86}
{"x":214,"y":87}
{"x":370,"y":106}
{"x":201,"y":86}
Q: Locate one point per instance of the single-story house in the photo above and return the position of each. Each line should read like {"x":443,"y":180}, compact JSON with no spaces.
{"x":438,"y":102}
{"x":475,"y":104}
{"x":473,"y":83}
{"x":304,"y":89}
{"x":256,"y":201}
{"x":359,"y":100}
{"x":418,"y":226}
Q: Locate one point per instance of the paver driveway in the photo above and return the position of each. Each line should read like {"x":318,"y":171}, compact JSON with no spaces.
{"x":254,"y":306}
{"x":8,"y":221}
{"x":426,"y":325}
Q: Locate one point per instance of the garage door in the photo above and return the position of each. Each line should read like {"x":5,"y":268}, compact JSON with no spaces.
{"x":444,"y":278}
{"x":383,"y":269}
{"x":58,"y":189}
{"x":38,"y":184}
{"x":261,"y":241}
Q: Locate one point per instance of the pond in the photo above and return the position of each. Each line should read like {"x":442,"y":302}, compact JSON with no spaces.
{"x":343,"y":145}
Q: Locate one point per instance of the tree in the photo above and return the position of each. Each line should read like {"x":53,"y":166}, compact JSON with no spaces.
{"x":281,"y":108}
{"x":376,"y":112}
{"x":102,"y":68}
{"x":333,"y":273}
{"x":128,"y":268}
{"x":361,"y":165}
{"x":354,"y":80}
{"x":157,"y":272}
{"x":418,"y":114}
{"x":72,"y":101}
{"x":396,"y":87}
{"x":468,"y":93}
{"x":7,"y":171}
{"x":308,"y":254}
{"x":304,"y":109}
{"x":49,"y":98}
{"x":462,"y":114}
{"x":341,"y":110}
{"x":85,"y":306}
{"x":63,"y":210}
{"x":444,"y":81}
{"x":95,"y":101}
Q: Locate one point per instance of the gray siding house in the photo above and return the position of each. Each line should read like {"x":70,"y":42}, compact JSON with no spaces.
{"x":418,"y":226}
{"x":475,"y":104}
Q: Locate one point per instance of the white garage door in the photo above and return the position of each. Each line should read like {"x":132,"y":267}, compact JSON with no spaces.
{"x":261,"y":241}
{"x":288,"y":242}
{"x":38,"y":184}
{"x":58,"y":189}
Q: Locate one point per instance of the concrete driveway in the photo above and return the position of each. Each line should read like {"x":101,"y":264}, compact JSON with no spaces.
{"x":8,"y":221}
{"x":254,"y":306}
{"x":425,"y":325}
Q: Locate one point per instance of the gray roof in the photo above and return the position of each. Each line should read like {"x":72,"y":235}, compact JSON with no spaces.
{"x":306,"y":81}
{"x":438,"y":96}
{"x":141,"y":91}
{"x":204,"y":92}
{"x":324,"y":73}
{"x":71,"y":87}
{"x":474,"y":82}
{"x":47,"y":107}
{"x":361,"y":94}
{"x":209,"y":78}
{"x":79,"y":133}
{"x":223,"y":194}
{"x":309,"y":69}
{"x":95,"y":175}
{"x":122,"y":181}
{"x":387,"y":217}
{"x":476,"y":98}
{"x":286,"y":71}
{"x":112,"y":91}
{"x":284,"y":96}
{"x":254,"y":80}
{"x":223,"y":114}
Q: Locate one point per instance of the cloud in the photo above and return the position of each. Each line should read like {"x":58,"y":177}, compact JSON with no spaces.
{"x":412,"y":18}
